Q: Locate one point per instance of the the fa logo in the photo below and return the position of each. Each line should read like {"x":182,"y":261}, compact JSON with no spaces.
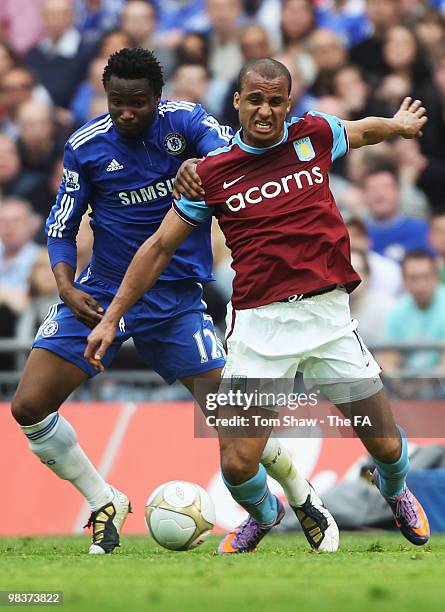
{"x":304,"y":149}
{"x":174,"y":143}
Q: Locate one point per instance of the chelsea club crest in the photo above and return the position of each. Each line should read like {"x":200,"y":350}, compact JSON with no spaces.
{"x":174,"y":143}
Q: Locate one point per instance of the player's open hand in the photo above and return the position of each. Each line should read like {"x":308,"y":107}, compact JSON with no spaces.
{"x":187,"y":181}
{"x":84,"y":307}
{"x":411,"y":118}
{"x":98,"y":342}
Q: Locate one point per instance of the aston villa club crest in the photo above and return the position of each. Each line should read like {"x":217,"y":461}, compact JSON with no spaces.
{"x":304,"y":149}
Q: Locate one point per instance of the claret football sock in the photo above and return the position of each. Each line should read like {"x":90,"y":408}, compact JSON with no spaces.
{"x":392,"y":475}
{"x":255,"y":497}
{"x":54,"y":441}
{"x":278,"y":463}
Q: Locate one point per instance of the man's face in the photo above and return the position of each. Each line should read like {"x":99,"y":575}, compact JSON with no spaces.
{"x":138,"y":21}
{"x":131,"y":104}
{"x":421,"y":279}
{"x":16,"y":88}
{"x":382,"y":195}
{"x":58,"y":17}
{"x":16,"y":226}
{"x":262,"y":105}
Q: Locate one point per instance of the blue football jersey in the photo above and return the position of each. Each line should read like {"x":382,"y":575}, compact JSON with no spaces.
{"x":128,"y":184}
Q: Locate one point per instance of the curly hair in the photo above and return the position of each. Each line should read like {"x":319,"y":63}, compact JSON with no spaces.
{"x":135,"y":63}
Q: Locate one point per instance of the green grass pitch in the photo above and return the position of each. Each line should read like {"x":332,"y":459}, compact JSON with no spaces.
{"x":371,"y":572}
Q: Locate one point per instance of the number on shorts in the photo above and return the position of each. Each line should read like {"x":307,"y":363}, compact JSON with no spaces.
{"x":216,"y":345}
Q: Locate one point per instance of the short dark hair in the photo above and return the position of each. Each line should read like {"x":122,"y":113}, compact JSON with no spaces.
{"x":380,"y":164}
{"x":416,"y":254}
{"x":135,"y":63}
{"x":266,"y":67}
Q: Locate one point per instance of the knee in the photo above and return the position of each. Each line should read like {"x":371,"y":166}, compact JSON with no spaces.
{"x":387,"y":450}
{"x":238,"y":465}
{"x":26,"y":411}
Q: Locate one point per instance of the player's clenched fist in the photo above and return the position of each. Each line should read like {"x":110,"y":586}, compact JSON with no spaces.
{"x":84,"y":307}
{"x":98,"y":342}
{"x":411,"y":118}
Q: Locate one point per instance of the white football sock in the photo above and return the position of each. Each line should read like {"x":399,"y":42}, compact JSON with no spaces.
{"x":54,"y":441}
{"x":278,"y":463}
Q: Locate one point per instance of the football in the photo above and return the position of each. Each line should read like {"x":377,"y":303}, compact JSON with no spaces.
{"x":180,"y":515}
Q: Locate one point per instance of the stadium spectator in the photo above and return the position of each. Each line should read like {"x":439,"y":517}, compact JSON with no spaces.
{"x":14,"y":181}
{"x":368,"y":54}
{"x":421,"y":178}
{"x":301,"y":100}
{"x":94,"y":17}
{"x":23,"y":23}
{"x":385,"y":276}
{"x":193,"y":49}
{"x":363,"y":301}
{"x":225,"y":57}
{"x":190,"y":82}
{"x":38,"y":144}
{"x":87,"y":90}
{"x":138,"y":22}
{"x":84,"y":244}
{"x":329,"y":54}
{"x":111,"y":42}
{"x":430,"y":31}
{"x":98,"y":106}
{"x":437,"y":240}
{"x":254,"y":43}
{"x":8,"y":58}
{"x":392,"y":233}
{"x":42,"y":292}
{"x":297,"y":24}
{"x":418,"y":316}
{"x":351,"y":87}
{"x":18,"y":225}
{"x":61,"y":52}
{"x":404,"y":60}
{"x":176,"y":17}
{"x":17,"y":86}
{"x":344,"y":17}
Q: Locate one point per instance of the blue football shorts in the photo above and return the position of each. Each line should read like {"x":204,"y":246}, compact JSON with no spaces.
{"x":169,"y":326}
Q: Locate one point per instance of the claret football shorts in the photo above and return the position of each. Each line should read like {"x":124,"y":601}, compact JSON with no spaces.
{"x":315,"y":336}
{"x":169,"y":327}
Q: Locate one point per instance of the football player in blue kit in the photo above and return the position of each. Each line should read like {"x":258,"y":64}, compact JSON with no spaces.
{"x":123,"y":165}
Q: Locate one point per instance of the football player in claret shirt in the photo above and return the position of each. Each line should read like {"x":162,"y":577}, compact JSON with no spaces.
{"x":123,"y":165}
{"x":269,"y":190}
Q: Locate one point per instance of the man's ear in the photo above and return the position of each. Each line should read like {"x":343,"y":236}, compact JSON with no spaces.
{"x":236,"y":100}
{"x":289,"y":105}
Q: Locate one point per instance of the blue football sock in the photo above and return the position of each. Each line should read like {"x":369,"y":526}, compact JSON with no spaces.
{"x":392,"y":475}
{"x":255,"y":497}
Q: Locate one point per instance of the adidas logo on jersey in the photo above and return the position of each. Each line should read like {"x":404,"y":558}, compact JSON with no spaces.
{"x":114,"y":165}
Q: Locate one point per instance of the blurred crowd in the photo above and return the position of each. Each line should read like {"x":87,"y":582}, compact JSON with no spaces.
{"x":350,"y":58}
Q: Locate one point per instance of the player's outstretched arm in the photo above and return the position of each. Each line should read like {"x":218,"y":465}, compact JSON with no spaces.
{"x":146,"y":267}
{"x":407,"y":122}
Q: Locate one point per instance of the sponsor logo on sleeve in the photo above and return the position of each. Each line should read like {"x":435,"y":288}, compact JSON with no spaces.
{"x":71,"y":180}
{"x":174,"y":143}
{"x":304,"y":149}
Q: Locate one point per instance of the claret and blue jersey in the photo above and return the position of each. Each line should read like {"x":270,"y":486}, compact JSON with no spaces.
{"x":128,"y":185}
{"x":277,"y":212}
